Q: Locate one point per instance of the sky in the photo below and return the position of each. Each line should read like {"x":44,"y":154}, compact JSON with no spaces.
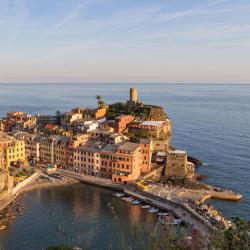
{"x":125,"y":41}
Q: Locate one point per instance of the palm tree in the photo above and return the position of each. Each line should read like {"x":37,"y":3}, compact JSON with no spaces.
{"x":101,"y":104}
{"x":98,"y":98}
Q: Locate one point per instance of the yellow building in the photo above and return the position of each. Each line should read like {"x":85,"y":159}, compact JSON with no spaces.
{"x":100,"y":113}
{"x":15,"y":151}
{"x":12,"y":150}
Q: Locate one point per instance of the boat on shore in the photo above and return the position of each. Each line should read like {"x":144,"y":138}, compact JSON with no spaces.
{"x":162,"y":214}
{"x":145,"y":206}
{"x":128,"y":199}
{"x":136,"y":202}
{"x":119,"y":194}
{"x":153,"y":210}
{"x":2,"y":227}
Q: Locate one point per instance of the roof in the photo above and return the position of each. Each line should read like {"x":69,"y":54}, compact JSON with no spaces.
{"x":51,"y":126}
{"x":177,"y":152}
{"x":110,"y":148}
{"x":153,"y":123}
{"x":129,"y":146}
{"x":122,"y":116}
{"x":91,"y":147}
{"x":161,"y":154}
{"x":4,"y":137}
{"x":145,"y":141}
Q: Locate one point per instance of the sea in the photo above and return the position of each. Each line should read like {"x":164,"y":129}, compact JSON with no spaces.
{"x":210,"y":121}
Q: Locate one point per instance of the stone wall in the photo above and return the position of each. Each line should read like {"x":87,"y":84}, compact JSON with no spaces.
{"x":6,"y":184}
{"x":25,"y":182}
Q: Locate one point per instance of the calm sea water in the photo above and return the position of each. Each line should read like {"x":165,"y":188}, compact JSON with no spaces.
{"x":78,"y":215}
{"x":211,"y":122}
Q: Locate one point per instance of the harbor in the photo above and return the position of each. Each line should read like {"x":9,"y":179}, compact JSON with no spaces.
{"x":76,"y":214}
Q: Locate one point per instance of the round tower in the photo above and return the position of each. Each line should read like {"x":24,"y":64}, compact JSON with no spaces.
{"x":133,"y":95}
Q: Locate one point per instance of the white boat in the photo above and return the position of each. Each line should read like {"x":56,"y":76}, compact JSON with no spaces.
{"x":129,"y":199}
{"x":2,"y":227}
{"x":145,"y":206}
{"x":119,"y":194}
{"x":153,"y":210}
{"x":162,"y":214}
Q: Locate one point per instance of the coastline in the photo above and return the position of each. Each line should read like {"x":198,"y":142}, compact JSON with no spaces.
{"x":181,"y":210}
{"x":33,"y":186}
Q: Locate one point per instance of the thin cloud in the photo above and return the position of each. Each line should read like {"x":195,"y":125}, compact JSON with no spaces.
{"x":72,"y":15}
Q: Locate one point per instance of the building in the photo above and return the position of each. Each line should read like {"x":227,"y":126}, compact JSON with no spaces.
{"x":120,"y":163}
{"x":107,"y":156}
{"x":121,"y":122}
{"x":79,"y":110}
{"x":85,"y":126}
{"x":16,"y":116}
{"x":159,"y":131}
{"x":87,"y":159}
{"x":55,"y":150}
{"x":12,"y":150}
{"x":176,"y":165}
{"x":47,"y":145}
{"x":32,"y":145}
{"x":3,"y":123}
{"x":61,"y":151}
{"x":74,"y":142}
{"x":100,"y":113}
{"x":6,"y":181}
{"x":126,"y":163}
{"x":146,"y":155}
{"x":133,"y":95}
{"x":68,"y":118}
{"x":48,"y":119}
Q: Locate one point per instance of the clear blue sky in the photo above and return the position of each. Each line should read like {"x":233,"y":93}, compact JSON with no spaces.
{"x":125,"y":41}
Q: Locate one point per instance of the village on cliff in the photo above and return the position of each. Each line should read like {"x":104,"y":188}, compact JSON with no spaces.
{"x":121,"y":144}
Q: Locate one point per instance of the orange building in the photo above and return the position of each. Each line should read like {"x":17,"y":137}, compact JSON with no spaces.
{"x":73,"y":143}
{"x":100,"y":113}
{"x":146,"y":155}
{"x":122,"y":121}
{"x":126,"y":163}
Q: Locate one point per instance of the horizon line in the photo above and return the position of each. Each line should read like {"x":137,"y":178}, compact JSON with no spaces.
{"x":137,"y":83}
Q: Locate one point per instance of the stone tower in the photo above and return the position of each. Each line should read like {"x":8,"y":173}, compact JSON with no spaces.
{"x":133,"y":95}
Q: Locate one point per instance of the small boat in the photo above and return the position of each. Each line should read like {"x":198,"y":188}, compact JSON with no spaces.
{"x":162,"y":214}
{"x":128,"y":199}
{"x":2,"y":227}
{"x":136,"y":202}
{"x":119,"y":194}
{"x":145,"y":206}
{"x":153,"y":210}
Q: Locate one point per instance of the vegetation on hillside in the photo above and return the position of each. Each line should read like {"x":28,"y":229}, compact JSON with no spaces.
{"x":144,"y":112}
{"x":236,"y":237}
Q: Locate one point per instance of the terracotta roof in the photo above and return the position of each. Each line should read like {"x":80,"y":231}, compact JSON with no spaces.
{"x":51,"y":126}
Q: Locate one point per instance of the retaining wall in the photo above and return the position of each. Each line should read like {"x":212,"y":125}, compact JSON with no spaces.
{"x":25,"y":182}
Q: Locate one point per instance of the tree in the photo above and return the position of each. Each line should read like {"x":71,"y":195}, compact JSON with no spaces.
{"x":101,"y":104}
{"x":238,"y":235}
{"x":98,"y":98}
